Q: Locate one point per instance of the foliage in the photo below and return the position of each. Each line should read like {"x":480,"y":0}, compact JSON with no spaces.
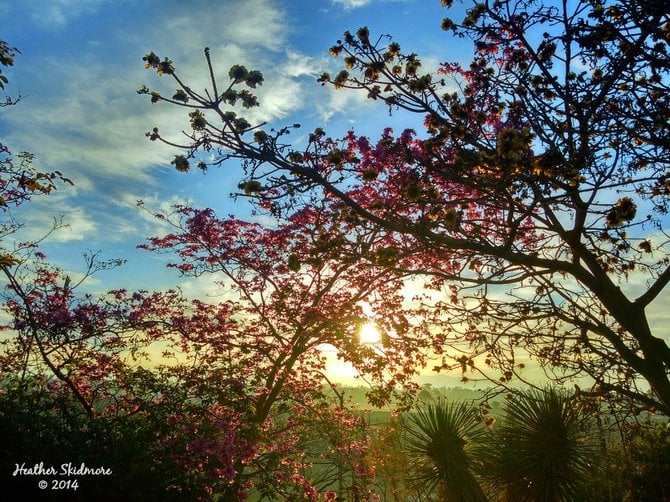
{"x":639,"y":467}
{"x":76,"y":339}
{"x":543,"y":448}
{"x":44,"y":424}
{"x":222,"y":427}
{"x":289,"y":292}
{"x":441,"y":443}
{"x":539,"y":447}
{"x":534,"y":200}
{"x":7,"y":55}
{"x":72,"y":390}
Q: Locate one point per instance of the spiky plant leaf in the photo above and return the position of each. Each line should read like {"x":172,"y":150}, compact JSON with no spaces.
{"x":543,"y":449}
{"x":441,"y":441}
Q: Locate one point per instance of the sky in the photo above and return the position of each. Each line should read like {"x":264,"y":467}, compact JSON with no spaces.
{"x":80,"y":65}
{"x":78,"y":72}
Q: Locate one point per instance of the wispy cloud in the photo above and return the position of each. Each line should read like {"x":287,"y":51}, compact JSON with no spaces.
{"x":56,"y":14}
{"x":351,"y":4}
{"x":354,"y":4}
{"x":82,"y":115}
{"x":300,"y":65}
{"x":75,"y":223}
{"x":343,"y":102}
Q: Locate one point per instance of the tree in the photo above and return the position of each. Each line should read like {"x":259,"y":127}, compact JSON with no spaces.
{"x":70,"y":386}
{"x":75,"y":340}
{"x":639,"y":467}
{"x":7,"y":55}
{"x":42,"y":311}
{"x":535,"y":198}
{"x":230,"y":404}
{"x":256,"y":353}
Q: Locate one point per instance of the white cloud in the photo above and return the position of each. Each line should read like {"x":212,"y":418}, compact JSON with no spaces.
{"x":299,"y":65}
{"x":351,"y":4}
{"x":57,"y":14}
{"x":341,"y":102}
{"x":237,"y":30}
{"x":91,"y":127}
{"x":279,"y":100}
{"x":136,"y":222}
{"x":82,"y":115}
{"x":78,"y":226}
{"x":354,"y":4}
{"x":75,"y":223}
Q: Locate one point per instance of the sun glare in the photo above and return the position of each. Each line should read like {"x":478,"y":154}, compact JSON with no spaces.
{"x":369,"y":334}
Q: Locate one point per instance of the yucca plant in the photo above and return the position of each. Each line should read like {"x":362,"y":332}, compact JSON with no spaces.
{"x":441,"y":443}
{"x":543,"y":449}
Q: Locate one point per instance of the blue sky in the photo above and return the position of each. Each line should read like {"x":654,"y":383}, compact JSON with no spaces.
{"x":79,"y":68}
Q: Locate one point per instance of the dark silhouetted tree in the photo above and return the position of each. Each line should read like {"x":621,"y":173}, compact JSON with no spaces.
{"x":535,"y":198}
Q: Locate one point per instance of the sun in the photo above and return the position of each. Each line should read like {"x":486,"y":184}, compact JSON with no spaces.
{"x":369,"y":334}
